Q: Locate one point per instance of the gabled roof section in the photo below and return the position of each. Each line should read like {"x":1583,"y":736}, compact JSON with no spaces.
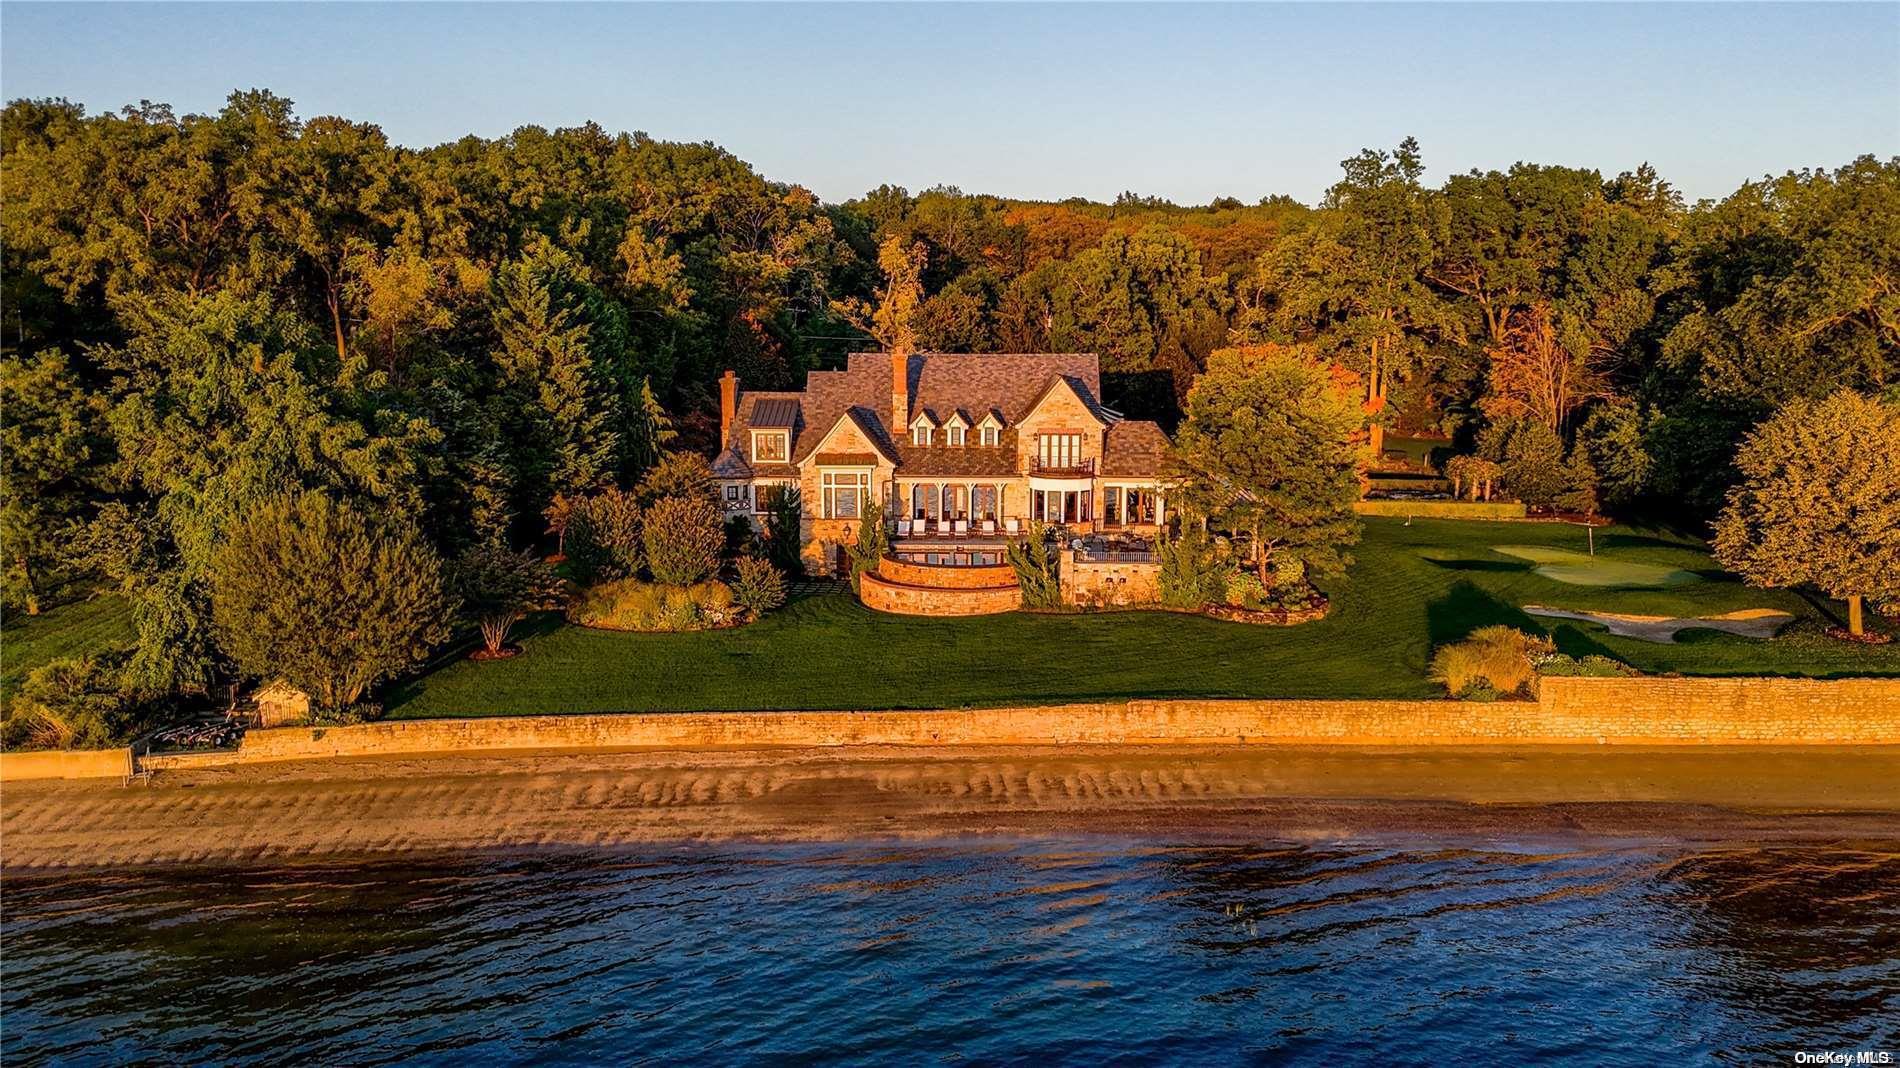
{"x":991,"y":418}
{"x":866,"y":425}
{"x":1006,"y":386}
{"x":923,"y":418}
{"x":957,"y":419}
{"x":1078,"y":389}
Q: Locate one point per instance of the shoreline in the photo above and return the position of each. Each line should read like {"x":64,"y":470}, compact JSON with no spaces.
{"x":383,"y":807}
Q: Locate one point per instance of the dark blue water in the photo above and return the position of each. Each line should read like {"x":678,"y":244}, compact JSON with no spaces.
{"x":1072,"y":952}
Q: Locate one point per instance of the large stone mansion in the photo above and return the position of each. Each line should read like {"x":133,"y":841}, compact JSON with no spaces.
{"x":962,"y":450}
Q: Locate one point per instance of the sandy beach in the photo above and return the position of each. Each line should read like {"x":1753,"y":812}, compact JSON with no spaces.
{"x":344,"y":808}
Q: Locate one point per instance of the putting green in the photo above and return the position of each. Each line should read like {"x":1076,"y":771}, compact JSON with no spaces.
{"x":1581,"y":569}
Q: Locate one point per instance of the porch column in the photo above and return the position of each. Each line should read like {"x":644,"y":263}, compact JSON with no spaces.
{"x":1161,"y":509}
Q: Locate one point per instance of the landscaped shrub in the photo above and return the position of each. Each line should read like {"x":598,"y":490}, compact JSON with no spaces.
{"x":1036,"y":568}
{"x":602,"y":537}
{"x":70,"y":704}
{"x":872,"y":542}
{"x":683,"y":539}
{"x":498,"y":587}
{"x":1289,"y":574}
{"x":1244,"y":590}
{"x":757,"y":586}
{"x":1592,"y":666}
{"x":1531,"y":456}
{"x":1193,"y":574}
{"x":1502,"y":658}
{"x":630,"y":604}
{"x":712,"y":602}
{"x":783,"y":529}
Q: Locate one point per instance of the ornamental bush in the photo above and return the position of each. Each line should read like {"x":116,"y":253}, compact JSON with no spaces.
{"x":1193,"y":574}
{"x":683,"y":537}
{"x":757,"y":586}
{"x":603,"y":537}
{"x":497,"y":587}
{"x":1036,"y":568}
{"x":1499,"y":658}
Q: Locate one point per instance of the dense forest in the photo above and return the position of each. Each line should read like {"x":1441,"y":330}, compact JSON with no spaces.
{"x":202,"y":312}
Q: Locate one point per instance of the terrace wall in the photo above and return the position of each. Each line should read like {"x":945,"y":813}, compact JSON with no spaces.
{"x":1109,"y":582}
{"x":1570,"y":711}
{"x":1443,"y":509}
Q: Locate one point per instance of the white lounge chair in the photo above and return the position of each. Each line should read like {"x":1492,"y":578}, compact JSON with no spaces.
{"x":903,"y":528}
{"x":1013,"y":525}
{"x":961,"y":527}
{"x":941,"y":527}
{"x":989,"y":526}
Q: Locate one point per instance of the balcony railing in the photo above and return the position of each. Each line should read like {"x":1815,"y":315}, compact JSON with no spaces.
{"x":1075,"y":468}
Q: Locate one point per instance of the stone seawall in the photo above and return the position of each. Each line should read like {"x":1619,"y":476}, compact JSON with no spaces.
{"x":1571,"y":711}
{"x":66,"y":764}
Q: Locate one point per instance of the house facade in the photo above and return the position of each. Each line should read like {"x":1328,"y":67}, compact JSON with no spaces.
{"x":961,"y":450}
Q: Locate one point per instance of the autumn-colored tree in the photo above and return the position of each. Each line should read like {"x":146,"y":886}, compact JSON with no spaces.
{"x":1534,"y":375}
{"x":1819,"y":501}
{"x":892,"y":320}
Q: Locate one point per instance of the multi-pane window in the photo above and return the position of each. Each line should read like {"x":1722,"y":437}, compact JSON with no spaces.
{"x":769,"y":446}
{"x":767,"y":496}
{"x":845,"y":493}
{"x":920,"y":434}
{"x":983,"y":503}
{"x":956,"y":435}
{"x":986,"y":436}
{"x":1059,"y":450}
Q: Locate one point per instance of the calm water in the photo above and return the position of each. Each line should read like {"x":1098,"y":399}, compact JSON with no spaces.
{"x":1059,"y":952}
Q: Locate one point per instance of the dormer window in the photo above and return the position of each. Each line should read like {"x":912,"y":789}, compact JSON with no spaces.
{"x":770,"y":446}
{"x":956,"y":430}
{"x":956,"y":435}
{"x":989,"y":432}
{"x":921,"y":430}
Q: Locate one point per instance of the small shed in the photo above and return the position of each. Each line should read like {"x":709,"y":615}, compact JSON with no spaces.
{"x":279,"y":704}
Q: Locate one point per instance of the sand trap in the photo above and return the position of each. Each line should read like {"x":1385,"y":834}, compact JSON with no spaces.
{"x":1582,"y":569}
{"x":1748,"y":622}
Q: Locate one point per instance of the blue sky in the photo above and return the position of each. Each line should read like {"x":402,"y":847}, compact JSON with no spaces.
{"x":1182,"y":100}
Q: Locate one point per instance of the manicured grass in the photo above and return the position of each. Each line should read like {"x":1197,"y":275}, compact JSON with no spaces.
{"x":75,"y":629}
{"x":1413,"y":586}
{"x":1582,"y":569}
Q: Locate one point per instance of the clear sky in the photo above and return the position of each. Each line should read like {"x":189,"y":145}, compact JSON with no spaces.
{"x":1181,"y":100}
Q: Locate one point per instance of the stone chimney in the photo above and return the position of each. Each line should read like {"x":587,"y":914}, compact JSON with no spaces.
{"x":900,"y":393}
{"x":728,"y":406}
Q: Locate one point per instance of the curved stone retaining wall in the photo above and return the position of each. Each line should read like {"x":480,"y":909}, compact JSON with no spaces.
{"x":914,"y":589}
{"x":905,"y":599}
{"x":946,"y":576}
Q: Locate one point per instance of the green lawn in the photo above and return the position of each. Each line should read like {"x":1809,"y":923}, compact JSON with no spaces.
{"x":1412,"y":587}
{"x":75,"y":629}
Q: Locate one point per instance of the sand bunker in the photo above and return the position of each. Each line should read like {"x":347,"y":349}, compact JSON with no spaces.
{"x":1582,"y":569}
{"x":1749,"y":622}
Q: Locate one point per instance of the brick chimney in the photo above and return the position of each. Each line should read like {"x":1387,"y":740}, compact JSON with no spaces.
{"x":728,"y":406}
{"x":900,"y":393}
